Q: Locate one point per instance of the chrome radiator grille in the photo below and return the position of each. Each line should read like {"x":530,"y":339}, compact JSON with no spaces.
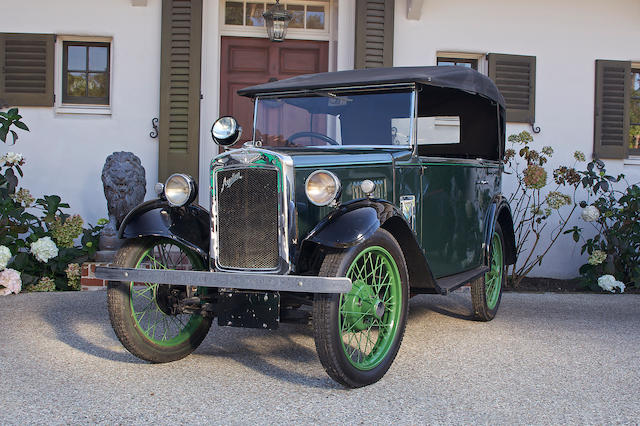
{"x":247,"y":218}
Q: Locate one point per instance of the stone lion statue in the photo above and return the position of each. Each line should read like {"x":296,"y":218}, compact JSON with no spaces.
{"x":125,"y":185}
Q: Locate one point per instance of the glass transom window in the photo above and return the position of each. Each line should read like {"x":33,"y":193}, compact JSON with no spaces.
{"x":304,"y":16}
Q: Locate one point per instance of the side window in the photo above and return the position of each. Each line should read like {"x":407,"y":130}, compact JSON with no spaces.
{"x":86,"y":71}
{"x":440,"y":130}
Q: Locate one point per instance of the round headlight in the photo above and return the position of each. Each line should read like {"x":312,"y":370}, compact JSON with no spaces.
{"x":180,"y":190}
{"x":226,"y":131}
{"x":322,"y":187}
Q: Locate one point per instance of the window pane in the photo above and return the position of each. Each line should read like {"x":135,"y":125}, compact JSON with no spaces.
{"x":233,"y":13}
{"x":98,"y":58}
{"x":634,"y":111}
{"x":77,"y":58}
{"x":634,"y":137}
{"x":98,"y":85}
{"x":297,"y":16}
{"x":254,"y":14}
{"x":464,"y":64}
{"x":77,"y":84}
{"x":446,"y":64}
{"x":315,"y":17}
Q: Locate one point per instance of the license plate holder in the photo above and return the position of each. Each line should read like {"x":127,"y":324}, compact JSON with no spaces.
{"x":249,"y":309}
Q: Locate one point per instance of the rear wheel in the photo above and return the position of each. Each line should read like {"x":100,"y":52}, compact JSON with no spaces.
{"x":144,"y":315}
{"x":486,"y":292}
{"x":358,"y":334}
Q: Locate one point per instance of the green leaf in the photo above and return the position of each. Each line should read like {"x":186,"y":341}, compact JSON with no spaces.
{"x":13,"y":111}
{"x":21,"y":125}
{"x":576,"y":237}
{"x":15,"y":136}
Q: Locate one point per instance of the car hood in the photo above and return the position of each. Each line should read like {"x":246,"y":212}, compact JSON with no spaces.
{"x":331,"y":157}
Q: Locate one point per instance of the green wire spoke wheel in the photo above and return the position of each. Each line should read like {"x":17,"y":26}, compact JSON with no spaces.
{"x":486,"y":292}
{"x":144,"y":315}
{"x":358,"y":334}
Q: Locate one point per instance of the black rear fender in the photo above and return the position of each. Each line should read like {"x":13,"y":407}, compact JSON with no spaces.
{"x":500,"y":212}
{"x":187,"y":225}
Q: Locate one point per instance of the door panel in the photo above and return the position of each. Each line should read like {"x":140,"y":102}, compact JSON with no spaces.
{"x":452,"y":220}
{"x":249,"y":61}
{"x":298,"y":61}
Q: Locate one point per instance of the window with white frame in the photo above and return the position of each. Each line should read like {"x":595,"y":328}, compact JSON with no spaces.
{"x":86,"y":70}
{"x":476,"y":61}
{"x":83,"y":74}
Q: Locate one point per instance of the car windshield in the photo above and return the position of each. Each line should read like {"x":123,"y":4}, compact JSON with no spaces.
{"x":325,"y":118}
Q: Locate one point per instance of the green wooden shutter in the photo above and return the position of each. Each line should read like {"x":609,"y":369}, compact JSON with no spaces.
{"x":611,"y":121}
{"x":374,"y":33}
{"x":515,"y":76}
{"x":26,"y":69}
{"x":180,"y":88}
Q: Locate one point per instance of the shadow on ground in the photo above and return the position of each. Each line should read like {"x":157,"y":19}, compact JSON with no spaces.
{"x":81,"y":321}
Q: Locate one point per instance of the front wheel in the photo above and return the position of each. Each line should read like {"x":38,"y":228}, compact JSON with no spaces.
{"x":144,"y":316}
{"x":358,"y":334}
{"x":486,"y":292}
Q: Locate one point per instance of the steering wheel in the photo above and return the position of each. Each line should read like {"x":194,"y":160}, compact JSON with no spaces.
{"x":325,"y":138}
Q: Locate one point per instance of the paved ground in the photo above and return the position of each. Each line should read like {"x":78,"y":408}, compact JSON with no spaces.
{"x":546,"y":358}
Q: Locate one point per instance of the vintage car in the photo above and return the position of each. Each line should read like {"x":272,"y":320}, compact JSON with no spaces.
{"x":358,"y":190}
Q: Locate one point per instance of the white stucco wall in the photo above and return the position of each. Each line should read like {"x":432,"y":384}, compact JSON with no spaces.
{"x":65,"y":152}
{"x":566,"y":37}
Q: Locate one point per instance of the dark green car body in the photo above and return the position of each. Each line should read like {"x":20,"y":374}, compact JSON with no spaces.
{"x":357,"y":190}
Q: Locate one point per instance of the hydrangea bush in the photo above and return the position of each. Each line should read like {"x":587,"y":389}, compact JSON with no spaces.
{"x":38,"y":250}
{"x":539,"y":206}
{"x":613,"y":212}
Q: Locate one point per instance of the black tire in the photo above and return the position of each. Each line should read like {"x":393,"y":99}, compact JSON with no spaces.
{"x":328,"y":319}
{"x":130,"y":329}
{"x":485,"y":307}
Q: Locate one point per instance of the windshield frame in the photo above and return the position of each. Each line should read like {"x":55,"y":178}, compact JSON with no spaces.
{"x":413,"y":106}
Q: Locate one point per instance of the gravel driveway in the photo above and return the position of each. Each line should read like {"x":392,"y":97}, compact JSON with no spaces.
{"x":546,"y":358}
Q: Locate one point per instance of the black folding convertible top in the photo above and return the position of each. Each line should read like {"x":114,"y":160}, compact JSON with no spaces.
{"x":452,"y":77}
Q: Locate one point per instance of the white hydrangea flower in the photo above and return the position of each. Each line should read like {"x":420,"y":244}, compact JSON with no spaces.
{"x":12,"y":158}
{"x":597,"y":257}
{"x":5,"y":256}
{"x":609,"y":283}
{"x":590,"y":214}
{"x":11,"y":281}
{"x":44,"y":249}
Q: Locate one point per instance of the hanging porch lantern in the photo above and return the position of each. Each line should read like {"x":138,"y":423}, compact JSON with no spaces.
{"x":276,"y":19}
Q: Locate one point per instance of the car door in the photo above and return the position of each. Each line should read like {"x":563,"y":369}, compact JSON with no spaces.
{"x":452,"y":233}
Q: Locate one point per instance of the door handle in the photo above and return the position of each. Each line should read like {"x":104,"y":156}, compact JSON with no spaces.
{"x":482,"y":182}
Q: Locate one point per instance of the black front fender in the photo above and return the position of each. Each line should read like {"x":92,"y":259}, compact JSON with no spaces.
{"x":356,"y":221}
{"x":352,"y":223}
{"x":188,"y":225}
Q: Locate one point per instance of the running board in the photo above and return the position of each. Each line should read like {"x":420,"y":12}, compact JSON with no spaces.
{"x":446,"y":285}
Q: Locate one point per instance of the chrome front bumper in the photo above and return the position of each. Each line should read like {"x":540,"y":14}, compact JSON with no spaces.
{"x":241,"y":281}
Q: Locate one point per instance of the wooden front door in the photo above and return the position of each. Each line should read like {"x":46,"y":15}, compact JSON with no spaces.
{"x":248,"y":61}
